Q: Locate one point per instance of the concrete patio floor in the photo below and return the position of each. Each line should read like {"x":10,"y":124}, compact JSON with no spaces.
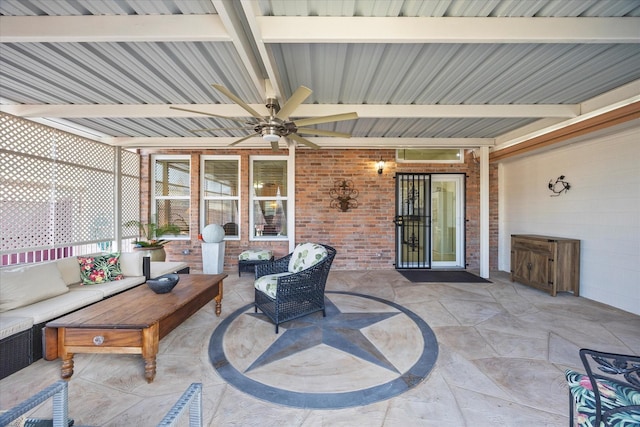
{"x":503,"y":349}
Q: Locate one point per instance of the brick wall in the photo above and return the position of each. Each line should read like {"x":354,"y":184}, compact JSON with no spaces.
{"x":364,"y":237}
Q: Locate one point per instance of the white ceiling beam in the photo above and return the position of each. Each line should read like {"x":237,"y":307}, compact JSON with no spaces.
{"x":314,"y":29}
{"x":601,"y":104}
{"x":120,"y":28}
{"x":334,"y":143}
{"x":304,"y":110}
{"x":74,"y":128}
{"x":241,"y":42}
{"x":402,"y":142}
{"x":622,"y":94}
{"x":287,"y":29}
{"x":251,"y":12}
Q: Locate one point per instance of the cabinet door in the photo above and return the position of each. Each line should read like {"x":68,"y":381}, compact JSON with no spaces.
{"x":519,"y":265}
{"x":539,"y":270}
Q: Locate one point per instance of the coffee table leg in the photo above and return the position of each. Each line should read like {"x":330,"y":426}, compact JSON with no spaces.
{"x":67,"y":366}
{"x":218,"y":306}
{"x":218,"y":300}
{"x":150,"y":338}
{"x":150,"y":368}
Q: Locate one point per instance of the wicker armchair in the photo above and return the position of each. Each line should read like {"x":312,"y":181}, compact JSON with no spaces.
{"x":616,"y":378}
{"x":293,"y":292}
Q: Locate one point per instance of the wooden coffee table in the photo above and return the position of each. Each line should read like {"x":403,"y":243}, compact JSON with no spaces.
{"x":132,"y":322}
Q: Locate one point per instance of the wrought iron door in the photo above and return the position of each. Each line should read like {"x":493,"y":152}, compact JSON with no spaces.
{"x":413,"y":221}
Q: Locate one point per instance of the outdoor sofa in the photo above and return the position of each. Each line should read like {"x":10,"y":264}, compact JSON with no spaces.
{"x":33,"y":294}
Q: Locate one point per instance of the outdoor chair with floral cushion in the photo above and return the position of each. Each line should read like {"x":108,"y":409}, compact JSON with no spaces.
{"x":293,"y":286}
{"x":616,"y":377}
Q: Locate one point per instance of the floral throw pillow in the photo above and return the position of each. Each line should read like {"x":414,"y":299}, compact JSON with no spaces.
{"x":100,"y":269}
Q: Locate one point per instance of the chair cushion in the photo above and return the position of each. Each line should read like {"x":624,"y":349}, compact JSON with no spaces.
{"x":612,"y":395}
{"x":255,"y":255}
{"x":28,"y":284}
{"x":306,"y":255}
{"x":269,"y":284}
{"x":100,"y":269}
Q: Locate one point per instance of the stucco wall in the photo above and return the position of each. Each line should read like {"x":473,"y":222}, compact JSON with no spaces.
{"x":602,"y":209}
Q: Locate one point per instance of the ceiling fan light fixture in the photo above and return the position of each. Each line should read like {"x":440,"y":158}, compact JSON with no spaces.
{"x":271,"y":137}
{"x":270,"y":134}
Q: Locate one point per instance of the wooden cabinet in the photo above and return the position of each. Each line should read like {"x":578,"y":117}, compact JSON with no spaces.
{"x":551,"y":264}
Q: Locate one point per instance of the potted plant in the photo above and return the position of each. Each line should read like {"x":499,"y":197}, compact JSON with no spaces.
{"x":149,"y":240}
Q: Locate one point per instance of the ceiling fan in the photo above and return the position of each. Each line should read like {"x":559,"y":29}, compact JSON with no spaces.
{"x":278,"y":123}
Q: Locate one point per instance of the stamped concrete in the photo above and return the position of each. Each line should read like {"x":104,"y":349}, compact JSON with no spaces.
{"x":503,"y":348}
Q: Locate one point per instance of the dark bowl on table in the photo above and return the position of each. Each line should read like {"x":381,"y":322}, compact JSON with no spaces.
{"x":163,"y":284}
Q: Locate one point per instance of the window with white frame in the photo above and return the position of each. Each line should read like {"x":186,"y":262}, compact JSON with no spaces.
{"x":221,"y":193}
{"x":269,"y":196}
{"x":171,"y":192}
{"x":430,"y":155}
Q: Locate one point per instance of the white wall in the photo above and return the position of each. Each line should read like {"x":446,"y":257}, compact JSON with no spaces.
{"x":602,"y":209}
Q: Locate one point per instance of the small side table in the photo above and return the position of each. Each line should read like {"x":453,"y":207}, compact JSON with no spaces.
{"x":248,"y":259}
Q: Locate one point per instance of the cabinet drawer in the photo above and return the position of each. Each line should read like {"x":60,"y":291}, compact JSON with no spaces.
{"x":103,"y":337}
{"x":533,"y":245}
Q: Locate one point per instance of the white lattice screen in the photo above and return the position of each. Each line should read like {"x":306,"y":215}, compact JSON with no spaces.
{"x":58,"y":189}
{"x":130,"y":191}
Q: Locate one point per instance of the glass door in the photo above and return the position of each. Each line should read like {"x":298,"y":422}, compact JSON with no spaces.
{"x":429,"y":221}
{"x":447,"y":216}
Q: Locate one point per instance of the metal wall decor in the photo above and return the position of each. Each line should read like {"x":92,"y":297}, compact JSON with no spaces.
{"x":559,"y":186}
{"x":343,"y":195}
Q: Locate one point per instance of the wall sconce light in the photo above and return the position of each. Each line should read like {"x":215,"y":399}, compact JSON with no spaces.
{"x":559,"y":186}
{"x":343,"y":195}
{"x":380,"y":166}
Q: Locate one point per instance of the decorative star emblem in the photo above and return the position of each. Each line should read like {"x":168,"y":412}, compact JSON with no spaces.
{"x":339,"y":330}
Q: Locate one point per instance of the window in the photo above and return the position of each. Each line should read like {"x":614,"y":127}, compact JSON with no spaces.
{"x":171,"y":192}
{"x":269,"y":195}
{"x":221,"y":193}
{"x":430,"y":155}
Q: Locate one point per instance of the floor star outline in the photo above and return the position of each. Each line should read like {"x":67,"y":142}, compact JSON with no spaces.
{"x":342,"y":331}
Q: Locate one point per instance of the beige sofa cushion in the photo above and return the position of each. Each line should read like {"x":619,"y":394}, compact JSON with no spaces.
{"x":159,"y":268}
{"x":29,"y":284}
{"x":10,"y":325}
{"x":52,"y":308}
{"x":110,"y":288}
{"x":131,"y":264}
{"x":69,"y":269}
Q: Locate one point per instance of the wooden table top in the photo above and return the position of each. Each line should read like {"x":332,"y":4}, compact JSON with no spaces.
{"x":139,"y":307}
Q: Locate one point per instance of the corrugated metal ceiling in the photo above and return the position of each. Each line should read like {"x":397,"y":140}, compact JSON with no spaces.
{"x":130,"y":73}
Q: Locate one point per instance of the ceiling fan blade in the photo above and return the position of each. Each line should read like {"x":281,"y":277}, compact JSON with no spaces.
{"x":238,"y":101}
{"x":292,"y":103}
{"x":243,"y":139}
{"x":321,"y":132}
{"x":209,"y":114}
{"x":274,"y":145}
{"x":302,"y":140}
{"x":325,"y":119}
{"x":212,"y":129}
